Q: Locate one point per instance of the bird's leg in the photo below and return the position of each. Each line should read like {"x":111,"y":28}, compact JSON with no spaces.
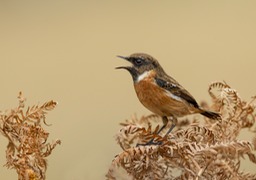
{"x":165,"y":122}
{"x":174,"y":121}
{"x":170,"y":130}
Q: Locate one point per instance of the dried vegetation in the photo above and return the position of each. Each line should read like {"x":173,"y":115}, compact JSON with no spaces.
{"x":195,"y":149}
{"x":27,"y":147}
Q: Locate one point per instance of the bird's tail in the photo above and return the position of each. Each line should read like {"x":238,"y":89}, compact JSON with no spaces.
{"x":211,"y":115}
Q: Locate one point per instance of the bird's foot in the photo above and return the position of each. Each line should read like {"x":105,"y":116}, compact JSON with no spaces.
{"x":151,"y":142}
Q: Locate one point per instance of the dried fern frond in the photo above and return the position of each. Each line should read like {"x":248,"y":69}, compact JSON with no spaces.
{"x":217,"y":86}
{"x":205,"y":150}
{"x":27,"y":148}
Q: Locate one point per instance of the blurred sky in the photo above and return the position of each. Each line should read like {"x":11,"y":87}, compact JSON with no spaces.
{"x":66,"y":50}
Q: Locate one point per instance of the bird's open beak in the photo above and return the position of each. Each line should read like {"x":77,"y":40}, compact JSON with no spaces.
{"x":131,"y":69}
{"x":124,"y":67}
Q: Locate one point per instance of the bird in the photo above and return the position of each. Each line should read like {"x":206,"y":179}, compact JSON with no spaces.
{"x":159,"y":92}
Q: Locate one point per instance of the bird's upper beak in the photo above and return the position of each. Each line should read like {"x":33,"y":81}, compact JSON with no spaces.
{"x":124,"y":67}
{"x":124,"y":57}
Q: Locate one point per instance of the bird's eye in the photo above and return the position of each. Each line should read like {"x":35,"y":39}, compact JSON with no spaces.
{"x":138,"y":61}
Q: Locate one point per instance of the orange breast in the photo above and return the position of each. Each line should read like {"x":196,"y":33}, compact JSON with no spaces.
{"x":156,"y":99}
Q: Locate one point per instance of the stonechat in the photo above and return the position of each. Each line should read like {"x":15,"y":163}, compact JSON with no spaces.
{"x":159,"y":92}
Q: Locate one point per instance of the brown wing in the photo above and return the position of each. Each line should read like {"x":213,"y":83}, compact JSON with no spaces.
{"x":176,"y":90}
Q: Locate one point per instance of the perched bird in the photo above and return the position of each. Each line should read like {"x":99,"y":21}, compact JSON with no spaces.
{"x":159,"y":92}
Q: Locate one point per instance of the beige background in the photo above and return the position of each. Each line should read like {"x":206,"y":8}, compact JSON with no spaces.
{"x":66,"y":50}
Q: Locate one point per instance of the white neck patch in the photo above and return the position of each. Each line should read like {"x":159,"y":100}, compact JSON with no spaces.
{"x":143,"y":76}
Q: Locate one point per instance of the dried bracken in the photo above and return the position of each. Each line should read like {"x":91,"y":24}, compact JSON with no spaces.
{"x":27,"y":148}
{"x":195,"y":149}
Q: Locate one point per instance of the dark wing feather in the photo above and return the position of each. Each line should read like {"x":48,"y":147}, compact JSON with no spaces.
{"x":177,"y":90}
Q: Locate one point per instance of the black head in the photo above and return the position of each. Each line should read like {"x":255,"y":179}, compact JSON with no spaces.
{"x":140,"y":63}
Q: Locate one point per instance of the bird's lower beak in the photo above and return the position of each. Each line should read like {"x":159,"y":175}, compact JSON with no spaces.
{"x":131,"y":70}
{"x":124,"y":67}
